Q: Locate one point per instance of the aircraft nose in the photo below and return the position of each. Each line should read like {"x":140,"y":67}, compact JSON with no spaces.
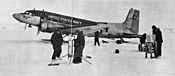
{"x":16,"y":16}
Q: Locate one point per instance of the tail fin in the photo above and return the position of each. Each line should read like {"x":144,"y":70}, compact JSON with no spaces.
{"x":132,"y":20}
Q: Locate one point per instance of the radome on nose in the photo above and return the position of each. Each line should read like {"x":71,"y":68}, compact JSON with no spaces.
{"x":16,"y":16}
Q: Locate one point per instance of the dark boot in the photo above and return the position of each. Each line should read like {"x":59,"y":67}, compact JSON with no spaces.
{"x":77,"y":60}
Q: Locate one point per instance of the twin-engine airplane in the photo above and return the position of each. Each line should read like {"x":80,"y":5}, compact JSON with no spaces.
{"x":49,"y":22}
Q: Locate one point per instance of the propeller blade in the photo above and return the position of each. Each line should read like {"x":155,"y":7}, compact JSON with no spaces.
{"x":38,"y":31}
{"x":39,"y":27}
{"x":25,"y":27}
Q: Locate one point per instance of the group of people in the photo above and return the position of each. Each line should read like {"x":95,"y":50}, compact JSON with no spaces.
{"x":79,"y":43}
{"x":158,"y":39}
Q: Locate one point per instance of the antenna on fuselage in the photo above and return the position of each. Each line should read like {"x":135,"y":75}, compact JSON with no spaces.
{"x":33,"y":12}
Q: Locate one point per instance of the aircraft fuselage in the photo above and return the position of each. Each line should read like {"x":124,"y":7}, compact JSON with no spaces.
{"x":67,"y":20}
{"x":49,"y":22}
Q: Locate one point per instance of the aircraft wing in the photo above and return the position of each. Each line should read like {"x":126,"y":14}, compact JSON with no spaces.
{"x":86,"y":29}
{"x":120,"y":36}
{"x":125,"y":35}
{"x":117,"y":35}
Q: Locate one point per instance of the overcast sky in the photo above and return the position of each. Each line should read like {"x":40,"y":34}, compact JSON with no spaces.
{"x":158,"y":12}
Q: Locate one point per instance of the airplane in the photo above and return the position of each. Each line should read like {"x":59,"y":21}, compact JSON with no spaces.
{"x":49,"y":22}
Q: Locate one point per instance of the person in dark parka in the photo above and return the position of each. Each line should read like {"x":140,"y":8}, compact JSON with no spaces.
{"x":142,"y":42}
{"x":159,"y":40}
{"x":56,"y":41}
{"x":79,"y":44}
{"x":96,"y":38}
{"x":143,"y":38}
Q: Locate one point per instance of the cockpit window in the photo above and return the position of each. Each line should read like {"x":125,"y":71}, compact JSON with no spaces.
{"x":26,"y":17}
{"x":28,"y":13}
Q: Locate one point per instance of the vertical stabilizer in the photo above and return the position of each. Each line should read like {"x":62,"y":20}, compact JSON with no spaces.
{"x":132,"y":21}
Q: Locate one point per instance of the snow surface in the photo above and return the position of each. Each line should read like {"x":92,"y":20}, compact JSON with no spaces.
{"x":23,"y":53}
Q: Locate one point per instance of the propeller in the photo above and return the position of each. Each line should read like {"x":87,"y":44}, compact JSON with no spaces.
{"x":25,"y":26}
{"x":38,"y":30}
{"x":39,"y":27}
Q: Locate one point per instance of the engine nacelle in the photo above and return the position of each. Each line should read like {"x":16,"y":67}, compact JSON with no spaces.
{"x":46,"y":26}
